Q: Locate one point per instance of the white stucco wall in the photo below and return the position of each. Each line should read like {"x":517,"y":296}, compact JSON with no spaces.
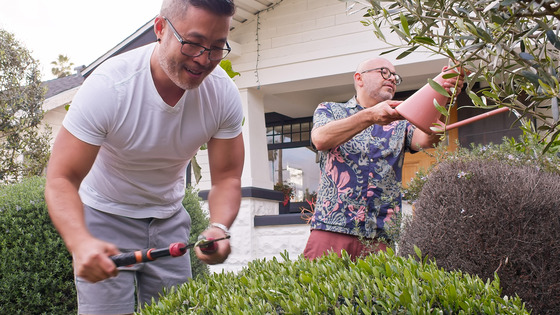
{"x":249,"y":242}
{"x":306,"y":42}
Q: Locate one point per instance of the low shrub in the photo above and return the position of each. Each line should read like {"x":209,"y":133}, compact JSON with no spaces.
{"x":382,"y":283}
{"x":199,"y":222}
{"x":493,"y":210}
{"x":36,"y":274}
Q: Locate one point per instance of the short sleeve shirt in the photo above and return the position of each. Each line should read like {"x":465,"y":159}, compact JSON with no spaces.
{"x":145,"y":144}
{"x":360,"y":181}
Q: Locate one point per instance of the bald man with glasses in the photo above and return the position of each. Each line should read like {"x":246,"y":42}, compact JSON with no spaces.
{"x":361,"y":144}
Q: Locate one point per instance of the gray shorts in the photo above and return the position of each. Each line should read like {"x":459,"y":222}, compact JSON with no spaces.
{"x":147,"y":280}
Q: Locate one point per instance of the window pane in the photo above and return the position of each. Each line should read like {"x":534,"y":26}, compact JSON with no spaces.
{"x":298,"y":168}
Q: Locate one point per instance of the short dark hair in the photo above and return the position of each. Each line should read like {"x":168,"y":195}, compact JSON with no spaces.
{"x":220,"y":7}
{"x":175,"y":8}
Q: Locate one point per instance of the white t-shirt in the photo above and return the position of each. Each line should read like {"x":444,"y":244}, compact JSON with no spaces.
{"x":146,"y":144}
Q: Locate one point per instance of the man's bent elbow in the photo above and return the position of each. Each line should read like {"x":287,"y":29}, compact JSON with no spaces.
{"x":321,"y":140}
{"x":319,"y":145}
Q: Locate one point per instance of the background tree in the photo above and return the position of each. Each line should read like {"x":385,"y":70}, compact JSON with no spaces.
{"x":62,"y":66}
{"x":510,"y":46}
{"x":24,"y":146}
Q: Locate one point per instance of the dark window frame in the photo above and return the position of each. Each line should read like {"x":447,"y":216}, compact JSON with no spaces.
{"x":290,"y":128}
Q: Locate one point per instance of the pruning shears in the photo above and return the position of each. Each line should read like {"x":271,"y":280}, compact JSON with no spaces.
{"x":207,"y":246}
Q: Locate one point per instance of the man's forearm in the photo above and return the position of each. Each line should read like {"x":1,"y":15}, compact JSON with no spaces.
{"x":337,"y":132}
{"x":66,"y":211}
{"x":224,"y":200}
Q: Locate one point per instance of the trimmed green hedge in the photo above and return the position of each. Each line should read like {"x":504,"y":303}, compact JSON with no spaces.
{"x":36,"y":274}
{"x":383,"y":283}
{"x":35,"y":268}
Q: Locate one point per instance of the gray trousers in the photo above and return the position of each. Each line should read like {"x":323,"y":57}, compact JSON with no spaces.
{"x":117,"y":295}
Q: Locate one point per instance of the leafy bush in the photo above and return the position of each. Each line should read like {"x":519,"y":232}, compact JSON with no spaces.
{"x":36,"y":275}
{"x":380,"y":283}
{"x":35,"y":267}
{"x":199,"y":222}
{"x":494,"y":210}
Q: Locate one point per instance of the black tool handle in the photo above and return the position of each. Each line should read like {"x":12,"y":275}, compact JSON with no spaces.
{"x":131,"y":258}
{"x":207,"y":246}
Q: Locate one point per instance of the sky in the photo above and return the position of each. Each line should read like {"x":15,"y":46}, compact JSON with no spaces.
{"x":81,"y":30}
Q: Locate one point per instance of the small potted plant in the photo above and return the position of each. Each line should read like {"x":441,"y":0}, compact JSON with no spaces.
{"x":288,"y":192}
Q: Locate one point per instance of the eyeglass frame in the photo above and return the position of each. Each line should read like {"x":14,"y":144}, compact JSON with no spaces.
{"x":204,"y":49}
{"x":398,"y":78}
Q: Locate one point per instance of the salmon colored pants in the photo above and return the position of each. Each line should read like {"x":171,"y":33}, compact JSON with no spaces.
{"x":322,"y":242}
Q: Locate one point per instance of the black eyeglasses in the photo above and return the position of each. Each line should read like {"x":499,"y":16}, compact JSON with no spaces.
{"x":386,"y":74}
{"x":191,"y":49}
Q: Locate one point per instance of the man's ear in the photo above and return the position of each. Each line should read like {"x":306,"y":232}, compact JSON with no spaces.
{"x":158,"y":27}
{"x":358,"y":79}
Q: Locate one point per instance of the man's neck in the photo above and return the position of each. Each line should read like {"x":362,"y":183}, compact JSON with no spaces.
{"x":167,"y":89}
{"x":366,"y":102}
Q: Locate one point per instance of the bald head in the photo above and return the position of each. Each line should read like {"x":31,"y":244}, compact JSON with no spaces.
{"x":371,"y":87}
{"x":374,"y":63}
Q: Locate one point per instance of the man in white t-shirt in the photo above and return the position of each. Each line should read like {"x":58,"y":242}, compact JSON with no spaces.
{"x":116,"y":177}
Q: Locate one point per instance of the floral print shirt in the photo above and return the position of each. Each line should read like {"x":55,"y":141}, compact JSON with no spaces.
{"x":360,"y":182}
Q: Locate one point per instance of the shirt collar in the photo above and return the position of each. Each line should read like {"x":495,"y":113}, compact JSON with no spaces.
{"x":352,"y":104}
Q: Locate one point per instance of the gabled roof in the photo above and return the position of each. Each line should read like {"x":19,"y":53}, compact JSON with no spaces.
{"x":140,"y":37}
{"x":59,"y":85}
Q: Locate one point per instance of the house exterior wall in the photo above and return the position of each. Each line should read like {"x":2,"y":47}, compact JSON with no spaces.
{"x":249,"y":242}
{"x":301,"y":40}
{"x":53,"y":119}
{"x":300,"y":45}
{"x":55,"y":110}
